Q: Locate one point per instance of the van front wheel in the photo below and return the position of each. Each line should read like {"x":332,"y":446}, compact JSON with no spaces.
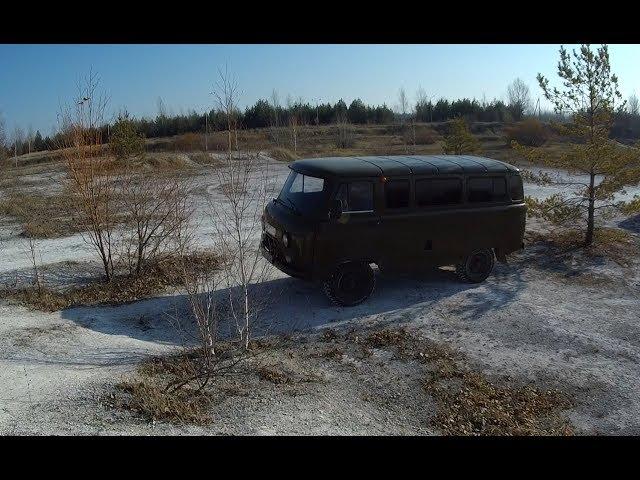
{"x":477,"y":266}
{"x":351,"y":283}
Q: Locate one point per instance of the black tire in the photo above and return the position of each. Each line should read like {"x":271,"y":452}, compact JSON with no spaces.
{"x":477,"y":266}
{"x":350,"y":284}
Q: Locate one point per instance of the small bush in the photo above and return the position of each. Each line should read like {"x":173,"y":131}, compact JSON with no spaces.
{"x":188,"y":142}
{"x":344,"y":135}
{"x":155,"y":278}
{"x":459,"y":140}
{"x":125,"y":141}
{"x":42,"y":216}
{"x":530,"y":132}
{"x":154,"y":402}
{"x":423,"y":135}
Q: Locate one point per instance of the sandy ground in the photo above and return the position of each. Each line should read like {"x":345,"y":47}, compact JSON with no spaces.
{"x":568,"y":325}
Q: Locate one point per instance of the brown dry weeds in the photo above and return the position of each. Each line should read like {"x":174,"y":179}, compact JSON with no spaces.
{"x":157,"y":277}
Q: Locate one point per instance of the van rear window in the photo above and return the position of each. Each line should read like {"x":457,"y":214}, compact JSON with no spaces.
{"x":438,"y":191}
{"x":396,"y":193}
{"x":487,"y":189}
{"x":515,"y":187}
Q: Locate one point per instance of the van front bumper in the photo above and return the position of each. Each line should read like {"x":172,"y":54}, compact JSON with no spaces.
{"x":271,"y":251}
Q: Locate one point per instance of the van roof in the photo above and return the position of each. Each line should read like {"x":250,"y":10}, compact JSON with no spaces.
{"x":369,"y":166}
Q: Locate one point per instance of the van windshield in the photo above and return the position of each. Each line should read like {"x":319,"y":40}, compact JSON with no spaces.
{"x":303,"y":194}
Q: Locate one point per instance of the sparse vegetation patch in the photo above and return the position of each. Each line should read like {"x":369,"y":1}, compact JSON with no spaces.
{"x":41,"y":216}
{"x":155,"y":278}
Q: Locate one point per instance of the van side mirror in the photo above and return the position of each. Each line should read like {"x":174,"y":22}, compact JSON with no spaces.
{"x":336,"y":210}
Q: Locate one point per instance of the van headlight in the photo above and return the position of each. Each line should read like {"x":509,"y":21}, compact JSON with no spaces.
{"x":285,"y":239}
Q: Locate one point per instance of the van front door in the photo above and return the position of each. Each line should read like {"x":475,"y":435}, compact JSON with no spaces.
{"x":350,"y":236}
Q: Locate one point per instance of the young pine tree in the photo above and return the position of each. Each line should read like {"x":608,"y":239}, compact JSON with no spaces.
{"x":588,"y":93}
{"x":459,"y":140}
{"x":125,"y":141}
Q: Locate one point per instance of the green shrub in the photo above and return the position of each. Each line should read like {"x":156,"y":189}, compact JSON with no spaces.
{"x":125,"y":141}
{"x":459,"y":140}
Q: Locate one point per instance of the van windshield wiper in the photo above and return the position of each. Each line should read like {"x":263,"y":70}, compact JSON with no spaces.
{"x":291,"y":205}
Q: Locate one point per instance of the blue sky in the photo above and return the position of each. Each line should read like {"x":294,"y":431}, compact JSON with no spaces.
{"x":36,"y":79}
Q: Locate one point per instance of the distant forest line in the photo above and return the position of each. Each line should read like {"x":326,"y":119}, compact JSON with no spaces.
{"x":266,"y":114}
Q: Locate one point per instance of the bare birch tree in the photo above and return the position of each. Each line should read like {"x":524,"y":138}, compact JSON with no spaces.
{"x":275,"y":122}
{"x":245,"y":187}
{"x":35,"y":259}
{"x":633,"y":106}
{"x":30,"y":136}
{"x":18,"y":141}
{"x":294,"y":120}
{"x":403,"y":105}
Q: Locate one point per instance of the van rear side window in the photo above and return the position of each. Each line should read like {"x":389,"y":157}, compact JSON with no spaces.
{"x":487,"y":189}
{"x":396,"y":194}
{"x":515,"y":187}
{"x":438,"y":191}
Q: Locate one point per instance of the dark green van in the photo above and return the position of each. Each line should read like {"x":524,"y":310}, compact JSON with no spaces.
{"x":334,"y":217}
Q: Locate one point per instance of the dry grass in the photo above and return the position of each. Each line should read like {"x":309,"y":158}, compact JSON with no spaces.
{"x":612,"y":243}
{"x":272,"y":374}
{"x":469,"y":403}
{"x":154,"y":403}
{"x":282,"y":154}
{"x":319,"y":141}
{"x":150,"y":394}
{"x":157,"y":277}
{"x":41,"y":216}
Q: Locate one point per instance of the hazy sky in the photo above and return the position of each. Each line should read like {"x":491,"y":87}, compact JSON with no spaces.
{"x":36,"y":79}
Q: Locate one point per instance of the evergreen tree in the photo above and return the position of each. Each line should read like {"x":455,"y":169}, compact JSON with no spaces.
{"x":588,"y":92}
{"x":459,"y":140}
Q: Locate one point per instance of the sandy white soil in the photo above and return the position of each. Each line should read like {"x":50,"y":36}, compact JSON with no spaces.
{"x":569,"y":324}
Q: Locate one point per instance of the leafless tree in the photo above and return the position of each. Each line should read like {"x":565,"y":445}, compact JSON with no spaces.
{"x":207,"y":309}
{"x":157,"y":211}
{"x":35,"y":259}
{"x":344,"y":132}
{"x":275,"y":123}
{"x":245,"y":186}
{"x":92,"y":183}
{"x":519,"y":99}
{"x":633,"y":106}
{"x":294,"y":121}
{"x":30,"y":136}
{"x":403,"y":105}
{"x":18,"y":142}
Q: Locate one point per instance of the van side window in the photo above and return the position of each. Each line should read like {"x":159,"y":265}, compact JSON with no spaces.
{"x":438,"y":191}
{"x":487,"y":189}
{"x":515,"y":187}
{"x":356,"y":196}
{"x":396,"y":193}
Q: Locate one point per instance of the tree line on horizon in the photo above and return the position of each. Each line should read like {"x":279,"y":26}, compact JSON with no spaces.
{"x":271,"y":113}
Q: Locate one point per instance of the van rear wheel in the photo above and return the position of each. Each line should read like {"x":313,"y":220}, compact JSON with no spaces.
{"x":477,"y":266}
{"x":351,"y":283}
